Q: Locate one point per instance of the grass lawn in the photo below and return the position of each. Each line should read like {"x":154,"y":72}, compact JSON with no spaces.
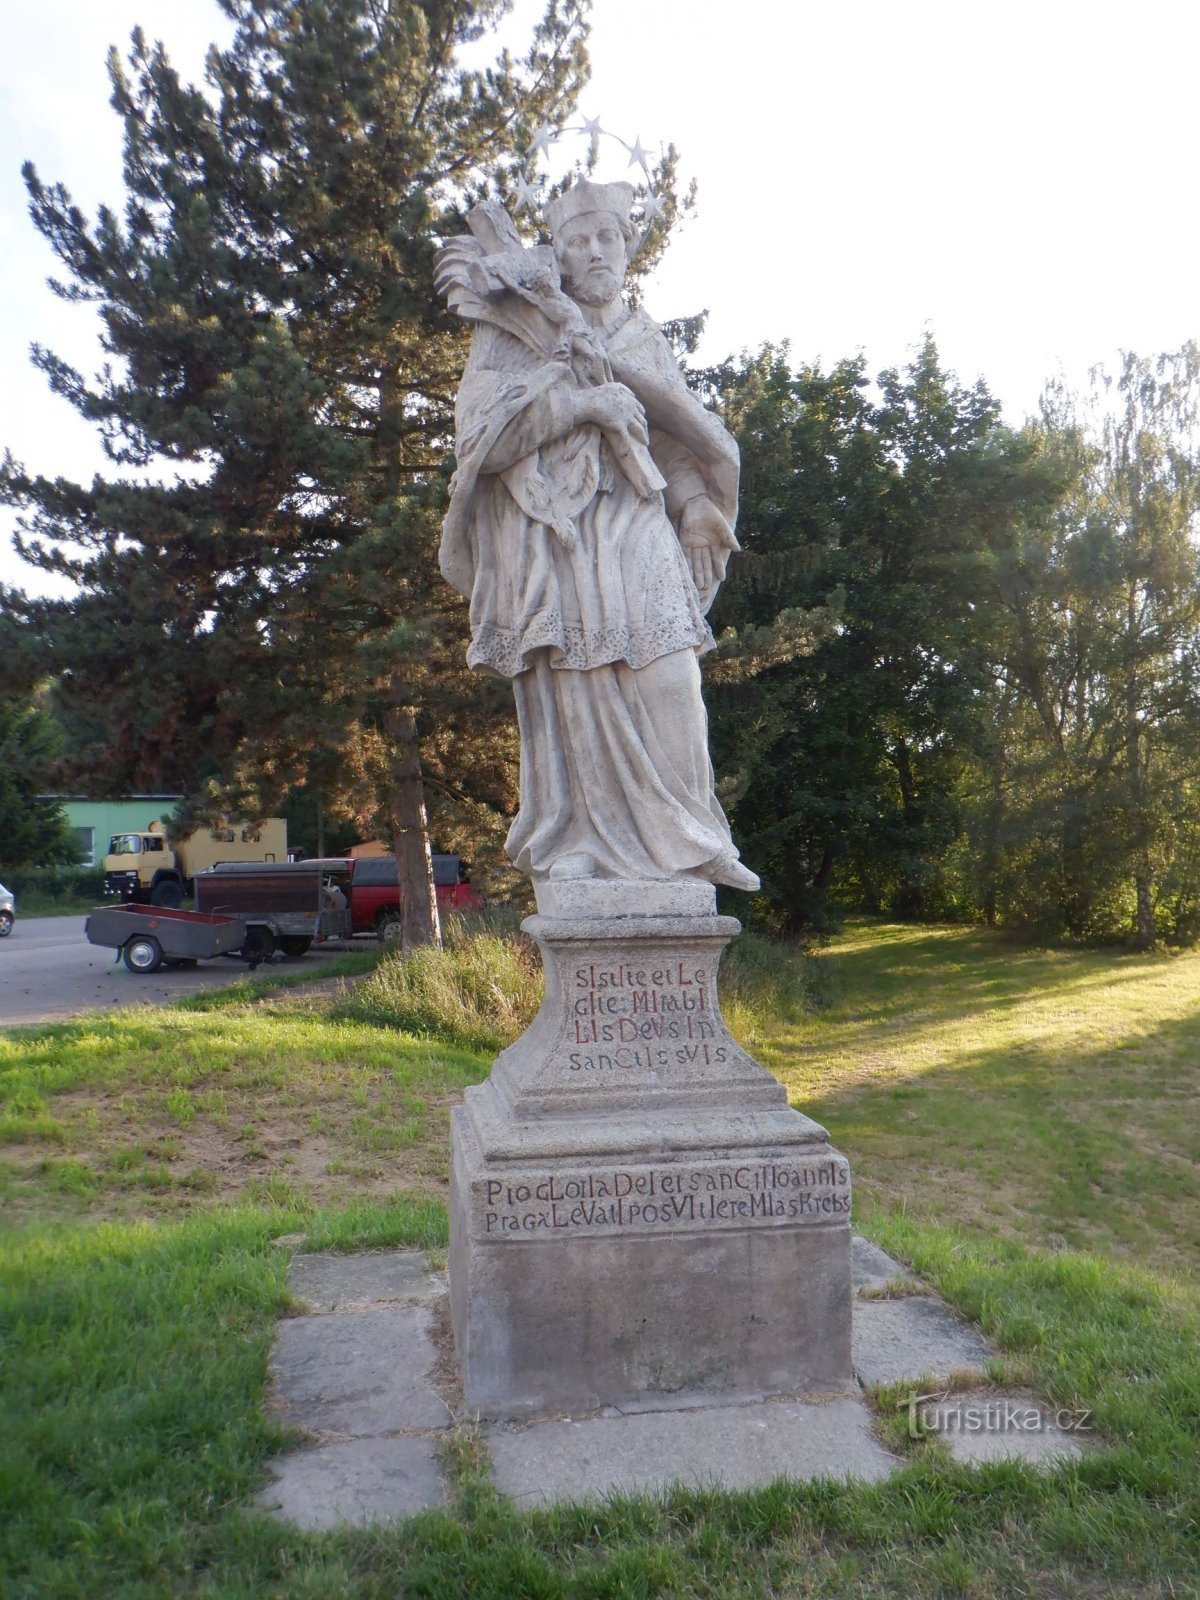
{"x":1022,"y":1126}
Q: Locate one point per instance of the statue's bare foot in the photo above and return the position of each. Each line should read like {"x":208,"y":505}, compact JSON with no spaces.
{"x":576,"y":865}
{"x":731,"y":872}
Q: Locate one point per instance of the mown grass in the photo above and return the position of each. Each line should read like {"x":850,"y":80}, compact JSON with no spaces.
{"x":253,"y":1092}
{"x":133,"y":1375}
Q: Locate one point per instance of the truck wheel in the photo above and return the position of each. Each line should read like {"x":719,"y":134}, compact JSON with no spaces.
{"x":6,"y":923}
{"x":388,"y":927}
{"x":167,"y":893}
{"x":294,"y":944}
{"x":143,"y":954}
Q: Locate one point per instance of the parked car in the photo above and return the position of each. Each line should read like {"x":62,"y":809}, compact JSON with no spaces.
{"x":8,"y":911}
{"x":375,"y":893}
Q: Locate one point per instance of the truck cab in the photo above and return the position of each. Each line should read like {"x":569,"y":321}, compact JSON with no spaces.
{"x":142,"y":867}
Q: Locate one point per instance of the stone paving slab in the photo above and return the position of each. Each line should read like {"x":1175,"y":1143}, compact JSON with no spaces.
{"x":327,"y":1282}
{"x":915,"y":1337}
{"x":356,"y":1481}
{"x":735,"y":1447}
{"x":362,"y":1367}
{"x":359,"y":1372}
{"x":873,"y":1268}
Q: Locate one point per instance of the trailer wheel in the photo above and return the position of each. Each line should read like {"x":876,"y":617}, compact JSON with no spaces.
{"x":143,"y":954}
{"x":259,"y":945}
{"x":294,"y":944}
{"x":168,"y":893}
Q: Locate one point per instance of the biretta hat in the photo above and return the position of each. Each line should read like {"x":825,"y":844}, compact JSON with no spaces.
{"x":585,"y":196}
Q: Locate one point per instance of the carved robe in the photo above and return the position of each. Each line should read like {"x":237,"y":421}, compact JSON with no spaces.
{"x":581,"y":594}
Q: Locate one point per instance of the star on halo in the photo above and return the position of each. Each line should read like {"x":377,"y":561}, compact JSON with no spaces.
{"x":652,"y":209}
{"x":526,"y":198}
{"x":593,"y":130}
{"x":541,"y":142}
{"x":637,"y":156}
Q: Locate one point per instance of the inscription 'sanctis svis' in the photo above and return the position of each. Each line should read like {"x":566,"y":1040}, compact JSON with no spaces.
{"x":667,"y":1198}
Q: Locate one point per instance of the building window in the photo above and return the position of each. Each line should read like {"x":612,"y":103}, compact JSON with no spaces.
{"x":85,"y":839}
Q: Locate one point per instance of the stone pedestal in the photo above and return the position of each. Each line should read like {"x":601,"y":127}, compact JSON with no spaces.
{"x":636,"y":1213}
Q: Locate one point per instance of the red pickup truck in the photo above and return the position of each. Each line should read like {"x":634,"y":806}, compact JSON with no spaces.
{"x":375,"y":893}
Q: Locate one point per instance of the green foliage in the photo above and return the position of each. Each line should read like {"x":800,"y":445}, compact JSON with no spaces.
{"x":1090,"y":828}
{"x":880,"y":521}
{"x":960,"y":668}
{"x":33,"y":827}
{"x":58,"y":885}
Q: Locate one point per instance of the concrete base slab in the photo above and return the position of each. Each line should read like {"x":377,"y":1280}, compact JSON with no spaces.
{"x":913,"y":1338}
{"x":355,"y":1481}
{"x":328,"y":1282}
{"x":730,"y":1447}
{"x":873,"y":1268}
{"x":362,"y":1373}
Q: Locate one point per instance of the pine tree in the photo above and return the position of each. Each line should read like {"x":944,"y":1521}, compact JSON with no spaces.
{"x":259,"y":600}
{"x":33,"y":826}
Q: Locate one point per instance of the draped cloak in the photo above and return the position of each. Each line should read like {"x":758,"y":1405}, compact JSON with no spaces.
{"x":580,"y":593}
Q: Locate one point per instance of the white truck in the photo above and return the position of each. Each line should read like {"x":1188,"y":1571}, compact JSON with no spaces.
{"x":151,"y":868}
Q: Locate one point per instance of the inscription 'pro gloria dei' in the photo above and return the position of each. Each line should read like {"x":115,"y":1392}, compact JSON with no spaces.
{"x":667,"y":1198}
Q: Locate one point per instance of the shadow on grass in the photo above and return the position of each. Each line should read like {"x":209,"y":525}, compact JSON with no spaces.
{"x":1026,"y":1092}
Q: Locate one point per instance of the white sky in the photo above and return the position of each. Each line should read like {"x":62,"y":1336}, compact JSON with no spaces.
{"x":1019,"y":178}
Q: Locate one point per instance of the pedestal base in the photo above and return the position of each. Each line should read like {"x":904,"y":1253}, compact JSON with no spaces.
{"x":635,"y":1210}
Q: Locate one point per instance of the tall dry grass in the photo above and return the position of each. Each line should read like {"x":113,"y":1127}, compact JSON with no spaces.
{"x":484,"y":987}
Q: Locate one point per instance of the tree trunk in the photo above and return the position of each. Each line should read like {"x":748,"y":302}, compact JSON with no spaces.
{"x":1146,"y":935}
{"x":825,"y":870}
{"x":1145,"y":931}
{"x":989,"y":868}
{"x":419,"y":922}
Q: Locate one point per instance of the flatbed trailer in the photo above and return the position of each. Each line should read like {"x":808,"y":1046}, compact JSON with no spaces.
{"x":246,"y":911}
{"x":149,"y":937}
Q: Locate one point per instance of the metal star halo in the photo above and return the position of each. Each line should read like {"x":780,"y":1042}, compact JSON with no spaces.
{"x":527,"y":198}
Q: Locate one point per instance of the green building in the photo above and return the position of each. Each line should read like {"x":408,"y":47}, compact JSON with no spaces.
{"x":95,"y":821}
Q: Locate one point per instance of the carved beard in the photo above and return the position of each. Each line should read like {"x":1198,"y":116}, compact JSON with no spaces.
{"x":594,"y":287}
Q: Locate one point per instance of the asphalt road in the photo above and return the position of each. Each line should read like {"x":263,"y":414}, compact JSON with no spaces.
{"x":49,"y":971}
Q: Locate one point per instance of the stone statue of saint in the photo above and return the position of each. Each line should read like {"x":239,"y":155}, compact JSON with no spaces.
{"x":590,"y":521}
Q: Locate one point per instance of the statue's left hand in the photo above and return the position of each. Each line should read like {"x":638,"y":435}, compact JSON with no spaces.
{"x":704,"y":535}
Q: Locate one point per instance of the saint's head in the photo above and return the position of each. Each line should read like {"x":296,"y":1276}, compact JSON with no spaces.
{"x":593,"y":239}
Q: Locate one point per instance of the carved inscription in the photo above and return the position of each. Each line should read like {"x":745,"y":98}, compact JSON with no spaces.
{"x":653,"y":1199}
{"x":651,"y":1016}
